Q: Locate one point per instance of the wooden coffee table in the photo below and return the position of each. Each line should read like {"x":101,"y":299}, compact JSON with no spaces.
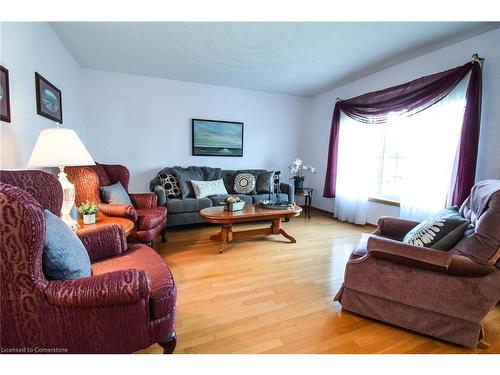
{"x":250,"y":213}
{"x":128,"y":225}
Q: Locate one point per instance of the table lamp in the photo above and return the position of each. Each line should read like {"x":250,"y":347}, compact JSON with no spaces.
{"x":60,"y":147}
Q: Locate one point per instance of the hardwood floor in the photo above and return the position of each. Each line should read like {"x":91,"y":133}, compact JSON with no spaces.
{"x":265,"y":295}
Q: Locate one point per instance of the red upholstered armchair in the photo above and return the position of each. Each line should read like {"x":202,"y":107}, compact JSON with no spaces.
{"x":126,"y":305}
{"x":445,"y":294}
{"x":149,"y":219}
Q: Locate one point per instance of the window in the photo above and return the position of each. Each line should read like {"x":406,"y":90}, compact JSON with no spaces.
{"x":408,"y":160}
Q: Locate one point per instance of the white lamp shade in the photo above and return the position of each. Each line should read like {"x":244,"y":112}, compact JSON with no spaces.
{"x":59,"y":147}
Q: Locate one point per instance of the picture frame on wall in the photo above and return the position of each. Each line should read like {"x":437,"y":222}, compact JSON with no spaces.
{"x":4,"y":95}
{"x":48,"y":99}
{"x":217,"y":138}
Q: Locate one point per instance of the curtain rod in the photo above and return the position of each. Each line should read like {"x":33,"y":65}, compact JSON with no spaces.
{"x":475,"y":57}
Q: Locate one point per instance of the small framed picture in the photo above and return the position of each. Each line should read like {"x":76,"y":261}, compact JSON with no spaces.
{"x":4,"y":95}
{"x":48,"y":99}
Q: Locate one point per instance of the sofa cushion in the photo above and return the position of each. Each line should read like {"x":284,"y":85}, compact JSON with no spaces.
{"x":439,"y":231}
{"x":143,"y":258}
{"x":184,"y":176}
{"x":256,"y":198}
{"x":264,"y":182}
{"x":211,"y":174}
{"x":115,"y":194}
{"x":64,"y":257}
{"x":148,"y":218}
{"x":228,"y":177}
{"x":187,"y":205}
{"x":170,"y":183}
{"x":217,"y":200}
{"x":244,"y":183}
{"x":204,"y":189}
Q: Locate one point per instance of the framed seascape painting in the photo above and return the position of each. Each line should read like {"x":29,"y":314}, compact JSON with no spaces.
{"x":217,"y":138}
{"x":4,"y":95}
{"x":48,"y":99}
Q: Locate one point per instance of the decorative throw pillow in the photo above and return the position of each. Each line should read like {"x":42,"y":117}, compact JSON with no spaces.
{"x":64,"y":257}
{"x":204,"y":189}
{"x":184,"y":177}
{"x":244,"y":183}
{"x":170,"y":184}
{"x":439,"y":231}
{"x":115,"y":194}
{"x":264,"y":182}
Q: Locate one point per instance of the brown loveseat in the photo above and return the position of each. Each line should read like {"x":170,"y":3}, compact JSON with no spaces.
{"x":437,"y":293}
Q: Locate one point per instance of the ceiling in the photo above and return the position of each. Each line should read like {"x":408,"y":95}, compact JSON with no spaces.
{"x":298,"y":58}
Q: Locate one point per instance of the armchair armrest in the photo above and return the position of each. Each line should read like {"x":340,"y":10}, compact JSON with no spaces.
{"x":288,"y":189}
{"x":118,"y":210}
{"x":425,"y":258}
{"x":161,"y":194}
{"x":114,"y":288}
{"x":144,"y":200}
{"x":103,"y":241}
{"x":393,"y":227}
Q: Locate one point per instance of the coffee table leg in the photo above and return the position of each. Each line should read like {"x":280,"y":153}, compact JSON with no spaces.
{"x":276,"y":229}
{"x":226,"y":235}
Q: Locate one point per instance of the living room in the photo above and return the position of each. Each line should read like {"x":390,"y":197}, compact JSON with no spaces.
{"x":255,"y":187}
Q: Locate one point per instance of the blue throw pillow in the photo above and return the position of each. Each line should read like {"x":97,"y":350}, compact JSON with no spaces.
{"x":64,"y":256}
{"x":115,"y":194}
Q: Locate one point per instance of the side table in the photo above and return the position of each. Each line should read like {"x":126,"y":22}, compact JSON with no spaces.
{"x":127,"y":224}
{"x":307,"y":193}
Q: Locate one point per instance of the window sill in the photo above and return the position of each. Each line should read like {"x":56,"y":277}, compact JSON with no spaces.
{"x":384,"y":201}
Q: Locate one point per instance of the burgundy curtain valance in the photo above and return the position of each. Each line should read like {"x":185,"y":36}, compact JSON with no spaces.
{"x":408,"y":99}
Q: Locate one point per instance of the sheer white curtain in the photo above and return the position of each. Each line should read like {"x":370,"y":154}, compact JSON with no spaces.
{"x":358,"y":167}
{"x":430,"y":143}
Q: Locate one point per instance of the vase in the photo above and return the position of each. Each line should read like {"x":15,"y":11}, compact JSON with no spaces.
{"x":299,"y":184}
{"x":89,"y":219}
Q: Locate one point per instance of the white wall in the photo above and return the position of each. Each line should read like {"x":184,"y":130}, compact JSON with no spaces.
{"x":27,"y":48}
{"x":145,"y":123}
{"x":316,"y":129}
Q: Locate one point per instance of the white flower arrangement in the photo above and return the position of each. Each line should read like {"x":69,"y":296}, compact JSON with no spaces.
{"x":297,"y":168}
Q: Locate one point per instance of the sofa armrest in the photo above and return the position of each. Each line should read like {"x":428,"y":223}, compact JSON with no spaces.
{"x":425,"y":258}
{"x":161,"y":194}
{"x":288,"y":189}
{"x":109,"y":289}
{"x":118,"y":210}
{"x":144,"y":200}
{"x":103,"y":241}
{"x":393,"y":227}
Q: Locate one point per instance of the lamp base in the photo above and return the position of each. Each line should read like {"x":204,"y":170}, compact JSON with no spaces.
{"x":68,"y":200}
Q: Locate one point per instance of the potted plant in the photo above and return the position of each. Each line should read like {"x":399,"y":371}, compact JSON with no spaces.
{"x":297,"y":167}
{"x":234,"y":203}
{"x":88,"y":211}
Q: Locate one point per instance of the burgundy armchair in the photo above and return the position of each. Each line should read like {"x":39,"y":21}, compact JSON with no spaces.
{"x":126,"y":305}
{"x":149,"y":219}
{"x":444,"y":294}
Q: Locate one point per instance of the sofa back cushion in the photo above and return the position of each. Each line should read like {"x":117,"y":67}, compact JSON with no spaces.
{"x":211,"y":174}
{"x":185,"y":176}
{"x":228,"y":176}
{"x":64,"y":256}
{"x":264,"y":182}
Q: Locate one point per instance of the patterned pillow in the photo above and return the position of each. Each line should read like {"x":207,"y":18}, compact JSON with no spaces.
{"x":244,"y":183}
{"x":170,"y":184}
{"x":439,"y":231}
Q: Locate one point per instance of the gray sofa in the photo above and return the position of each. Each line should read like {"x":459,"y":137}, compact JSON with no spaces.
{"x":181,"y":211}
